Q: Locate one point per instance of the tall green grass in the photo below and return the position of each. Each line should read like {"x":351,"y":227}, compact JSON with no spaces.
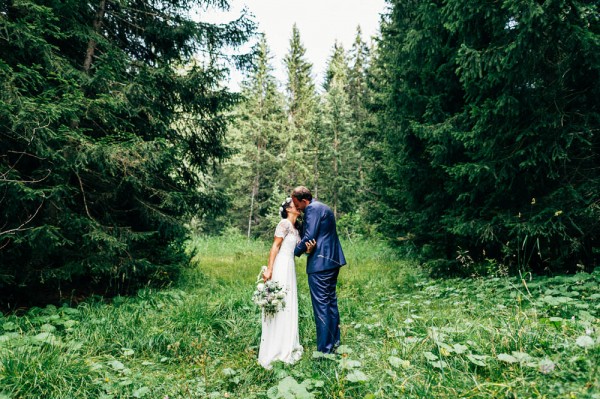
{"x":404,"y":336}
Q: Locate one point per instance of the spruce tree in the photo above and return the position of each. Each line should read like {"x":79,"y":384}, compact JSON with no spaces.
{"x":301,"y":102}
{"x":339,"y":155}
{"x":105,"y":139}
{"x":363,"y":122}
{"x":257,"y":140}
{"x":488,"y":114}
{"x":358,"y":91}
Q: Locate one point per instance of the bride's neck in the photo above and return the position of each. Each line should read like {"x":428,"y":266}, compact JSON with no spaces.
{"x":292,"y":218}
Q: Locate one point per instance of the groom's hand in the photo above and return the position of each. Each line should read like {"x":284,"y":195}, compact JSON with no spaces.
{"x":310,"y":246}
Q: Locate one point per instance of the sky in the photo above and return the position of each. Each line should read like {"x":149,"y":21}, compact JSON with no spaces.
{"x":320,"y":22}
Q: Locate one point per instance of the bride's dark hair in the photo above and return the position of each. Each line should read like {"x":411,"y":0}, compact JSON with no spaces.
{"x":284,"y":213}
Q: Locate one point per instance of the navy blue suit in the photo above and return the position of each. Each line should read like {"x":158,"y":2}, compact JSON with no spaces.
{"x":323,"y":266}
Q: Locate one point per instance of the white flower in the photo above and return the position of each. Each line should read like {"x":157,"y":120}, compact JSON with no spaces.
{"x":268,"y":296}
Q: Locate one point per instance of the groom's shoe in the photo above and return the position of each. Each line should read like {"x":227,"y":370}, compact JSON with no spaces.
{"x":335,"y":347}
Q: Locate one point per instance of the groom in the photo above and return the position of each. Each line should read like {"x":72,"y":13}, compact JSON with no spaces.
{"x":322,"y":266}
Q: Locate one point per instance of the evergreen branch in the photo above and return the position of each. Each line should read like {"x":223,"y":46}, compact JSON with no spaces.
{"x":22,"y":153}
{"x":127,"y":22}
{"x":87,"y":210}
{"x":20,"y":228}
{"x":4,"y":179}
{"x":156,"y":210}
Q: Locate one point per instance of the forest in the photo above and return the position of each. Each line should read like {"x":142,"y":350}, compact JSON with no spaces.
{"x":458,"y":150}
{"x":465,"y":135}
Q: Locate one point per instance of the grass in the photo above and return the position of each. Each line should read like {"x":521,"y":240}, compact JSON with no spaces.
{"x":404,"y":336}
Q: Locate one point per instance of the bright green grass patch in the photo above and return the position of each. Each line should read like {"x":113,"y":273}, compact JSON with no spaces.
{"x":404,"y":335}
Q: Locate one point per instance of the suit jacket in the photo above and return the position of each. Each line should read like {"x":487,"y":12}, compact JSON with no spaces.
{"x":319,"y":223}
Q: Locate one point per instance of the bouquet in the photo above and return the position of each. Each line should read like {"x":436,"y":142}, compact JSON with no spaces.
{"x":269,"y":296}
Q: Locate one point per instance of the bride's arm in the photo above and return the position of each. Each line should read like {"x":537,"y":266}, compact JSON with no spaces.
{"x":272,"y":254}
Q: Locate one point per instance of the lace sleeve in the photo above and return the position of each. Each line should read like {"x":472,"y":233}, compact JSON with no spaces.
{"x":283,"y":228}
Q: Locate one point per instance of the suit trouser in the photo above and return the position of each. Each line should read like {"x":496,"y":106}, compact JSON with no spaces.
{"x":324,"y":300}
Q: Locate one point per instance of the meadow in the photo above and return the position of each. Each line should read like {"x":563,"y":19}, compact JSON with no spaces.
{"x":404,"y":335}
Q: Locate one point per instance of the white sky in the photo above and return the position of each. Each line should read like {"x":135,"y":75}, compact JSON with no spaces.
{"x":320,"y":22}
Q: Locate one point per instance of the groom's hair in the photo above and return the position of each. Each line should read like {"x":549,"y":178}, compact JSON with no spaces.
{"x":302,"y":193}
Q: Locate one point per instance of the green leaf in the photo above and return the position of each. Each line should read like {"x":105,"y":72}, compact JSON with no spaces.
{"x":318,"y":383}
{"x":74,"y":345}
{"x":289,"y":388}
{"x":521,"y":356}
{"x":585,"y":341}
{"x":48,"y":328}
{"x":95,"y":366}
{"x":507,"y":358}
{"x":396,"y":362}
{"x":69,"y":323}
{"x":117,"y":365}
{"x":439,"y":364}
{"x":343,"y":349}
{"x":141,"y":392}
{"x":348,"y":364}
{"x":127,"y":352}
{"x":357,"y":376}
{"x":46,"y":337}
{"x":477,"y":359}
{"x":321,"y":355}
{"x":459,"y":349}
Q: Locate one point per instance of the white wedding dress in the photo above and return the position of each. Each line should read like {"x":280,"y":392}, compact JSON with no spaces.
{"x":280,"y":339}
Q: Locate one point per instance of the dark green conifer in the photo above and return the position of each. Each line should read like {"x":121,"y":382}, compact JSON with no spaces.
{"x":107,"y":124}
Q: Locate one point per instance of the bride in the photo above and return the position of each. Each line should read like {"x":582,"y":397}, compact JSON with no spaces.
{"x":280,"y":339}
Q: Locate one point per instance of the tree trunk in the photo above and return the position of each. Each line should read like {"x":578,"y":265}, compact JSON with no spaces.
{"x":91,"y":48}
{"x":335,"y":172}
{"x":255,"y":187}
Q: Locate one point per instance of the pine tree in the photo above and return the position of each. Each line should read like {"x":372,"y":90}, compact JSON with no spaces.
{"x":105,"y":139}
{"x":301,"y":101}
{"x":359,"y":94}
{"x":258,"y":143}
{"x":486,"y":141}
{"x":339,"y":156}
